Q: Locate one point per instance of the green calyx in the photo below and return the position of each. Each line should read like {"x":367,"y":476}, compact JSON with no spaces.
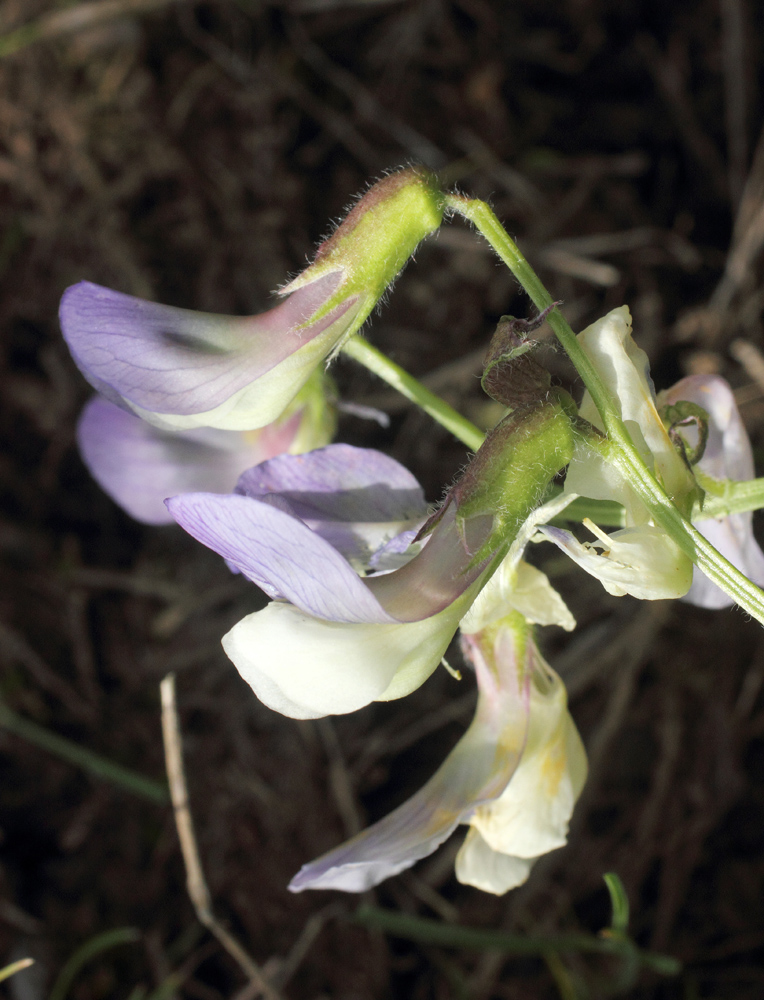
{"x":372,"y":245}
{"x":509,"y":474}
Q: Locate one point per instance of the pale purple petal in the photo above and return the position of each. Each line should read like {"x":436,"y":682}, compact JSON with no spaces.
{"x":177,"y":361}
{"x":728,"y":455}
{"x":728,"y":452}
{"x":280,"y":554}
{"x":477,"y":770}
{"x":733,"y":537}
{"x":339,"y":483}
{"x":355,"y":498}
{"x":139,"y":466}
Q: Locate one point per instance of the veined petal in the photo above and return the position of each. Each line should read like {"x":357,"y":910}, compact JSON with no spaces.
{"x":187,"y":368}
{"x":139,"y":466}
{"x":355,"y":498}
{"x":306,"y":667}
{"x":279,"y":553}
{"x":476,"y":770}
{"x":643,"y":561}
{"x":531,"y":815}
{"x":479,"y":865}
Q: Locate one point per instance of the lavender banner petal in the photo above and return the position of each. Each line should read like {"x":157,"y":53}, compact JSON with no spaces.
{"x":339,"y":483}
{"x":355,"y":498}
{"x":169,"y":360}
{"x":280,"y":554}
{"x":728,"y":452}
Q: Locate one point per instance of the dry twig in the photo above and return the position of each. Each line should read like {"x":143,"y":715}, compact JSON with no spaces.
{"x":195,"y":881}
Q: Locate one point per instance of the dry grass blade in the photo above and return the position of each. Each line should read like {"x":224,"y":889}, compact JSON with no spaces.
{"x":195,"y":881}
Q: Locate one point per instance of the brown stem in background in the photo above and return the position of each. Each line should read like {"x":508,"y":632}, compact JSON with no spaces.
{"x":195,"y":881}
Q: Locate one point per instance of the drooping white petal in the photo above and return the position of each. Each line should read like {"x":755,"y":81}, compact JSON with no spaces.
{"x":479,"y":865}
{"x":476,"y":770}
{"x":531,"y":816}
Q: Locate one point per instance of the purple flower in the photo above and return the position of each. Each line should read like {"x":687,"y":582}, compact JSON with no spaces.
{"x":301,"y":527}
{"x":181,"y":369}
{"x":727,"y":456}
{"x":513,"y":778}
{"x":332,"y":641}
{"x":140,"y":465}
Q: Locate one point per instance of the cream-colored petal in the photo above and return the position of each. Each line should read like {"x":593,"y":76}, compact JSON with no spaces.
{"x":625,"y":369}
{"x":306,"y":667}
{"x":643,"y":561}
{"x":531,"y":816}
{"x":589,"y":475}
{"x":479,"y":865}
{"x":536,"y":599}
{"x":517,"y":586}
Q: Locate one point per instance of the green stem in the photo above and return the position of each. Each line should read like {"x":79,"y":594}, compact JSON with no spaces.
{"x":484,"y":220}
{"x":73,"y":753}
{"x":622,"y":452}
{"x":361,"y":350}
{"x":728,"y":496}
{"x":86,"y":953}
{"x":433,"y":932}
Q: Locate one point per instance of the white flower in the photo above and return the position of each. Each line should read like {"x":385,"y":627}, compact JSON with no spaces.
{"x":641,"y":559}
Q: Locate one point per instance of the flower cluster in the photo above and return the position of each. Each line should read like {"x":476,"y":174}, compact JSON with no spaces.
{"x":223,"y":424}
{"x":641,"y":559}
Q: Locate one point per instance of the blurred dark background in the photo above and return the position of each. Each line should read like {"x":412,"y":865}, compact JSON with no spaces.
{"x":194,"y":152}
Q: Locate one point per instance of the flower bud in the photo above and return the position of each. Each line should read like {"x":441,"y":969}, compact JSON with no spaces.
{"x":180,"y":369}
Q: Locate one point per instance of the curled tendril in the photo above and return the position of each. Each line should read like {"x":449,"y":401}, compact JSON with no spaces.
{"x":681,"y":416}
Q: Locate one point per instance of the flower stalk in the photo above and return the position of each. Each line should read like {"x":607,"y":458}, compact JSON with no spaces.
{"x":360,"y":350}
